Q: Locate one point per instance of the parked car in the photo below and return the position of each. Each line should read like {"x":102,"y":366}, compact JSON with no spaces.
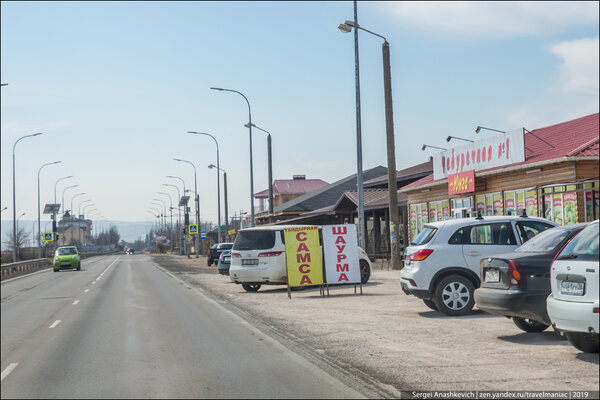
{"x":573,"y":305}
{"x":517,"y":284}
{"x":224,"y":262}
{"x":66,"y":257}
{"x":215,"y":251}
{"x":441,"y":265}
{"x":264,"y":248}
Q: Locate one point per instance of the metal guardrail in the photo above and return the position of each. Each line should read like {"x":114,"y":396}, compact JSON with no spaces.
{"x":24,"y":267}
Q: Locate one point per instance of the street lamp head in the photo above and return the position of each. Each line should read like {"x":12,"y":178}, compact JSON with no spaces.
{"x":349,"y":23}
{"x":177,"y":159}
{"x":477,"y":129}
{"x":345,"y":28}
{"x":216,"y":88}
{"x":211,"y":166}
{"x":448,"y":138}
{"x":37,"y":134}
{"x":424,"y":147}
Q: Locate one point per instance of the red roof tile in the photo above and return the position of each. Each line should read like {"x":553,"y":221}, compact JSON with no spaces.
{"x":293,"y":186}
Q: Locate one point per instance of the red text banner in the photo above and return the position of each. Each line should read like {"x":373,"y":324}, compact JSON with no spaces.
{"x":340,"y":248}
{"x":303,"y":256}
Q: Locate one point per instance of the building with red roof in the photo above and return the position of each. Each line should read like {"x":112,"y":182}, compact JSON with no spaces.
{"x":550,"y":172}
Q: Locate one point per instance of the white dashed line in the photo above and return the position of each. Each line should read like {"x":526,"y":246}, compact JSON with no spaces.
{"x":55,"y":324}
{"x":8,"y":370}
{"x":75,"y":302}
{"x":86,"y":290}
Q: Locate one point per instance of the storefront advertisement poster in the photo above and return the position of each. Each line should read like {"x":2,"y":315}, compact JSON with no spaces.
{"x":340,"y":249}
{"x":558,"y":209}
{"x":303,"y":256}
{"x":570,"y":208}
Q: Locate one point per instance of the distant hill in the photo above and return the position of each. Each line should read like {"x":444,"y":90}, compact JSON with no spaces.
{"x":129,"y":231}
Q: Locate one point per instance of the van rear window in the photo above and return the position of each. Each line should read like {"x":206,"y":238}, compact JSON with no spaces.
{"x":254,"y":240}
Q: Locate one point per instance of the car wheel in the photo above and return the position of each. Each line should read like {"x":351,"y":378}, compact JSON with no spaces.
{"x":454,"y":295}
{"x":210,"y":262}
{"x":55,"y":270}
{"x":586,"y":342}
{"x":365,"y":272}
{"x":251,"y":287}
{"x":430,"y":304}
{"x":529,"y":325}
{"x":79,"y":267}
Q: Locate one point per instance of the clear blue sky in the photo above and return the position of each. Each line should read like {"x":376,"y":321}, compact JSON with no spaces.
{"x":115,"y":86}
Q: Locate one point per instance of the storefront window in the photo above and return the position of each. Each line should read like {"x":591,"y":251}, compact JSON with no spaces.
{"x":418,"y":218}
{"x":497,"y":204}
{"x":531,"y":202}
{"x":510,"y":206}
{"x":591,"y":203}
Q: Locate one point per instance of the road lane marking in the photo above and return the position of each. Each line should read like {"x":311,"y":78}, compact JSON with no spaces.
{"x":103,"y":272}
{"x":8,"y":370}
{"x":75,"y":302}
{"x":86,"y":290}
{"x":55,"y":324}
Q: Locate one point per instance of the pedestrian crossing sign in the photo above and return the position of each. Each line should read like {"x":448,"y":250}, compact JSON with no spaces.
{"x":48,"y":236}
{"x":193,"y":229}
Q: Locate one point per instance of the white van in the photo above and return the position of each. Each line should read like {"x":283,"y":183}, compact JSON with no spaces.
{"x":258,"y":257}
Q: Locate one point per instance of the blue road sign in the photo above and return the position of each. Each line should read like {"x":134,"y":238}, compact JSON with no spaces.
{"x":203,"y":235}
{"x":48,"y":236}
{"x":193,"y":229}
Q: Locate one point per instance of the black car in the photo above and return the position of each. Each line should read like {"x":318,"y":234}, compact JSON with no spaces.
{"x":215,"y":251}
{"x":517,"y":284}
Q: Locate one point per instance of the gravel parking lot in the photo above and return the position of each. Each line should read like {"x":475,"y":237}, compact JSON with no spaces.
{"x":398,"y":342}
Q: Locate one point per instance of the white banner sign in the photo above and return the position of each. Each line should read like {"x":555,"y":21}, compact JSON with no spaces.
{"x":496,"y":151}
{"x":340,"y":248}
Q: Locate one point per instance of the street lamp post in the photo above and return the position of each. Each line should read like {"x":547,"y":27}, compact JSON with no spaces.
{"x":197,"y":202}
{"x":79,"y":220}
{"x":63,"y":206}
{"x":15,"y":196}
{"x":54,"y":213}
{"x":38,"y":190}
{"x":185,"y":213}
{"x":390,"y":142}
{"x":359,"y":173}
{"x":225,"y":196}
{"x":178,"y":214}
{"x":163,"y":211}
{"x":270,"y":159}
{"x":75,"y":195}
{"x":18,"y":226}
{"x":170,"y":214}
{"x":250,"y":131}
{"x":218,"y":184}
{"x":83,"y":219}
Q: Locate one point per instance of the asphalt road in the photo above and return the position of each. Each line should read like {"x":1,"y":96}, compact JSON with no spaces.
{"x":124,"y":328}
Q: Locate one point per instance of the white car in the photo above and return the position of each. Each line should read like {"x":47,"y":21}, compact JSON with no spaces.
{"x":573,"y":304}
{"x":258,"y":258}
{"x":441,"y":265}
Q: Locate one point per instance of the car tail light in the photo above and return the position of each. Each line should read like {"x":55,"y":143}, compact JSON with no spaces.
{"x":270,"y":254}
{"x":514,"y":273}
{"x":596,"y":310}
{"x":236,"y":255}
{"x":420,"y":255}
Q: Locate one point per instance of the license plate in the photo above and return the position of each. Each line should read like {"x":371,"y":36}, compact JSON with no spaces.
{"x":572,"y":288}
{"x":65,"y":264}
{"x":226,"y":259}
{"x":253,"y":261}
{"x":492,"y":275}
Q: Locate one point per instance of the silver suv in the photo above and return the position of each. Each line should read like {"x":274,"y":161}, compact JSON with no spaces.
{"x":441,"y":265}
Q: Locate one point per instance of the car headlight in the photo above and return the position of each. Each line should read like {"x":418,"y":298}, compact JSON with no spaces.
{"x":75,"y":258}
{"x":56,"y":259}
